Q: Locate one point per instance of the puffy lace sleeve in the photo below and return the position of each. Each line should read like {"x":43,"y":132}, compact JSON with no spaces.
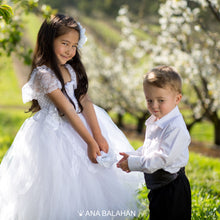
{"x":42,"y":81}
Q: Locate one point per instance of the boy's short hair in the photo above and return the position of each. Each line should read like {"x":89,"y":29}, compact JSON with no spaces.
{"x":164,"y":76}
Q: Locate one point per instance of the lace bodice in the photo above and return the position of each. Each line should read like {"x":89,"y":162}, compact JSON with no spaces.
{"x":43,"y":81}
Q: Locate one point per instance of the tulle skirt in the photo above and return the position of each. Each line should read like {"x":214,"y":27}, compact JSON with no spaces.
{"x":47,"y":175}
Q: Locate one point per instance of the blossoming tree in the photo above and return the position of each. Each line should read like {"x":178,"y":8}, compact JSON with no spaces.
{"x":116,"y":79}
{"x":189,"y":40}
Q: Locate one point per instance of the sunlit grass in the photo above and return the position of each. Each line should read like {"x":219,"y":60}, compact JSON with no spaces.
{"x":10,"y":92}
{"x":203,"y":131}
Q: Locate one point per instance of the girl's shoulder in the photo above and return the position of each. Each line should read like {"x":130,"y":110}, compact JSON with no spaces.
{"x":43,"y":74}
{"x":42,"y":70}
{"x":42,"y":81}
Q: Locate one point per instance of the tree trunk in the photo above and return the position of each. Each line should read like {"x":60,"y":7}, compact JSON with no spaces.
{"x":120,"y":120}
{"x":190,"y":125}
{"x":141,"y":121}
{"x":217,"y":132}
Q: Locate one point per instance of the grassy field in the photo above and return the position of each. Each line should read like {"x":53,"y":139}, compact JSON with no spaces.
{"x":10,"y":92}
{"x":203,"y":172}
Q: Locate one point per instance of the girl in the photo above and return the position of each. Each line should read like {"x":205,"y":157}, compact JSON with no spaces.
{"x":50,"y":171}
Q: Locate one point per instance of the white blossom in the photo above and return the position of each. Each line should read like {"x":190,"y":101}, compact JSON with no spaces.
{"x":182,"y":43}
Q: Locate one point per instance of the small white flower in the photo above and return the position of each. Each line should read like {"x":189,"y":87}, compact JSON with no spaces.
{"x":82,"y":36}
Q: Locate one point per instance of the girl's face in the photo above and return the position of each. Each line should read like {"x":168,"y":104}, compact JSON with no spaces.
{"x":65,"y":46}
{"x":160,"y":101}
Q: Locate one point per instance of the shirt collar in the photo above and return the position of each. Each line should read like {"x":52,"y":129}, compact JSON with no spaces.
{"x":165,"y":119}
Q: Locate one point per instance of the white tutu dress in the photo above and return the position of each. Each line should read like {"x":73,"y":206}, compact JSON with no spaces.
{"x":47,"y":175}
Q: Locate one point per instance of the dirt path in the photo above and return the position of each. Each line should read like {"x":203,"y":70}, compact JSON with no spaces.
{"x":210,"y":151}
{"x":22,"y":71}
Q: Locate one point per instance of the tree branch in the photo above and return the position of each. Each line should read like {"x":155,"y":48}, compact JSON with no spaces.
{"x":214,"y":10}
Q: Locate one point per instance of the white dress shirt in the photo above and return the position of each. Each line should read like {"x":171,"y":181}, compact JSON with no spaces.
{"x":165,"y":145}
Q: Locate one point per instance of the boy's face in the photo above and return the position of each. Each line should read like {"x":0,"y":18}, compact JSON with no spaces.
{"x":160,"y":101}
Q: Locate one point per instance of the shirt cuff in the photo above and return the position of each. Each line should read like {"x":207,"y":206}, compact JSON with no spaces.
{"x":134,"y":163}
{"x":132,"y":153}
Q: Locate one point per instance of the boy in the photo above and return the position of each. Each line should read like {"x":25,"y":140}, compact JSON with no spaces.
{"x":164,"y":153}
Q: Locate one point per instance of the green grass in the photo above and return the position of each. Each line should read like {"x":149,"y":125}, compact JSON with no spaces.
{"x":203,"y":131}
{"x":10,"y":92}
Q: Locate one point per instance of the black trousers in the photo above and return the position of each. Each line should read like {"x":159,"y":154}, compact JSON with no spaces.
{"x":172,"y":201}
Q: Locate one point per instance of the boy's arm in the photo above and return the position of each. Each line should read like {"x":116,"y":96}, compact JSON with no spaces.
{"x":123,"y":163}
{"x":174,"y":145}
{"x":137,"y":152}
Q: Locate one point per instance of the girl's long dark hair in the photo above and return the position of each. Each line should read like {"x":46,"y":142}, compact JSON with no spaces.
{"x":44,"y":55}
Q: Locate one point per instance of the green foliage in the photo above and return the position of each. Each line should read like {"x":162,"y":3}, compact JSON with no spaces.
{"x":143,"y":204}
{"x":26,"y":5}
{"x":11,"y":38}
{"x":6,"y":12}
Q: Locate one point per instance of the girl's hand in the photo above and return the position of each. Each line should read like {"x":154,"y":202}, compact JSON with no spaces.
{"x":93,"y":152}
{"x":103,"y":144}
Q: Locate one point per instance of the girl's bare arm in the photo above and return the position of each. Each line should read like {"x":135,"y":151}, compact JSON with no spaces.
{"x":63,"y":104}
{"x":90,"y":116}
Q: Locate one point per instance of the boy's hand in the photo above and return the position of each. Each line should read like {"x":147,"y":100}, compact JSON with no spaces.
{"x":123,"y":163}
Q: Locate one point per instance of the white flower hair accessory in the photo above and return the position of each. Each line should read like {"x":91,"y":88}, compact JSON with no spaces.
{"x":82,"y":36}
